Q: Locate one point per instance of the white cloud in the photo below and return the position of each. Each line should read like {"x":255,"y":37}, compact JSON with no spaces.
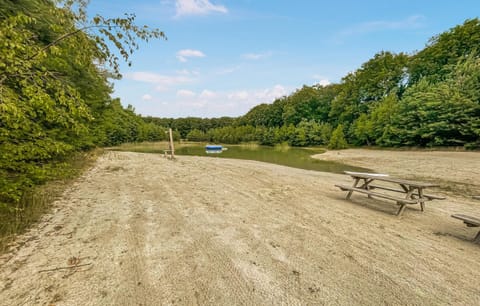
{"x":324,"y":82}
{"x":187,"y":72}
{"x":321,"y":80}
{"x":270,"y":94}
{"x":207,"y":94}
{"x":162,"y":82}
{"x":182,"y":55}
{"x":256,"y":56}
{"x":146,"y":97}
{"x":183,"y":93}
{"x":198,"y":7}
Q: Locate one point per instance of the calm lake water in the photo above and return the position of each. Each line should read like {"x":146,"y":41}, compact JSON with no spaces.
{"x":292,"y":157}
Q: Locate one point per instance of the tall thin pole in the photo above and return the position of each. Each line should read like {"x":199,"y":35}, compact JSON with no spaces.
{"x":172,"y":149}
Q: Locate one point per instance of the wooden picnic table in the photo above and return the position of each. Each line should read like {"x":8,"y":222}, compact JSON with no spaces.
{"x":412,"y":192}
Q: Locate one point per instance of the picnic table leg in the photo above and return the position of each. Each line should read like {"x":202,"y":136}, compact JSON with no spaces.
{"x":420,"y":198}
{"x":477,"y":238}
{"x":409,"y":192}
{"x":366,"y":185}
{"x":366,"y":182}
{"x":349,"y":194}
{"x":401,"y":209}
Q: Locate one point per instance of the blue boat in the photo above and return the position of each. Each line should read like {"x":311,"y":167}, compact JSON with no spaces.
{"x":213,"y":149}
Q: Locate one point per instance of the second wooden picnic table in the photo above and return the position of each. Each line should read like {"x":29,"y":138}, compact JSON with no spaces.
{"x":412,"y":191}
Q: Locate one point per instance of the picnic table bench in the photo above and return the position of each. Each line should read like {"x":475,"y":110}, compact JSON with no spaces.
{"x":411,"y":192}
{"x":470,"y":221}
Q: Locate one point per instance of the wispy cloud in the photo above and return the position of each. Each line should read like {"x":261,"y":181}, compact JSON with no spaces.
{"x":256,"y":56}
{"x":207,"y":94}
{"x":183,"y":93}
{"x":188,"y":72}
{"x":238,"y":95}
{"x":321,"y":80}
{"x":182,"y":55}
{"x":412,"y":22}
{"x":197,"y":7}
{"x":147,"y":97}
{"x":269,"y":94}
{"x":161,"y":82}
{"x":228,"y":70}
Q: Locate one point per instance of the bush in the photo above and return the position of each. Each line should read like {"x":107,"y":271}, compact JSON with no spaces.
{"x":337,"y":141}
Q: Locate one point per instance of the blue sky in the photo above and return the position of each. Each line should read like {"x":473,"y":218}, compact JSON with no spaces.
{"x":223,"y":57}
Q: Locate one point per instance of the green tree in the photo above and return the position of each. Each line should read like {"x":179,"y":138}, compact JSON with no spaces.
{"x":53,"y":85}
{"x":338,"y":142}
{"x":268,"y":137}
{"x":196,"y":135}
{"x":436,"y":61}
{"x":438,"y":114}
{"x":258,"y":115}
{"x":370,"y":127}
{"x":382,"y":75}
{"x":300,"y":105}
{"x":309,"y":103}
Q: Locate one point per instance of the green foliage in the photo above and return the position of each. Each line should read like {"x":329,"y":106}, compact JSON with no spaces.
{"x":379,"y":77}
{"x":444,"y":51}
{"x":338,"y":142}
{"x":301,"y":105}
{"x":261,"y":115}
{"x":268,"y":137}
{"x":316,"y":133}
{"x":150,"y":132}
{"x":232,"y":134}
{"x":54,"y":92}
{"x":197,"y":135}
{"x":440,"y":114}
{"x":185,"y":125}
{"x":371,"y":127}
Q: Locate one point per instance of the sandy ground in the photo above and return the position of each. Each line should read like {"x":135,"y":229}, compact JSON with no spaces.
{"x":144,"y":230}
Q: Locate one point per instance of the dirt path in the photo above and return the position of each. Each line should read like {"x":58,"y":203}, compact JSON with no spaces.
{"x":150,"y":231}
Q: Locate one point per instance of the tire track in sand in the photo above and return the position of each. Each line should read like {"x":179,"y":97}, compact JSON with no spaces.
{"x":202,"y":256}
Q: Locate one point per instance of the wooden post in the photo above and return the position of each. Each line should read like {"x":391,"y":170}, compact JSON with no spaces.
{"x":477,"y":238}
{"x":172,"y":149}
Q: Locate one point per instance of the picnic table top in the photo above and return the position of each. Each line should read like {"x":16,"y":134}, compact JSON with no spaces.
{"x":385,"y":178}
